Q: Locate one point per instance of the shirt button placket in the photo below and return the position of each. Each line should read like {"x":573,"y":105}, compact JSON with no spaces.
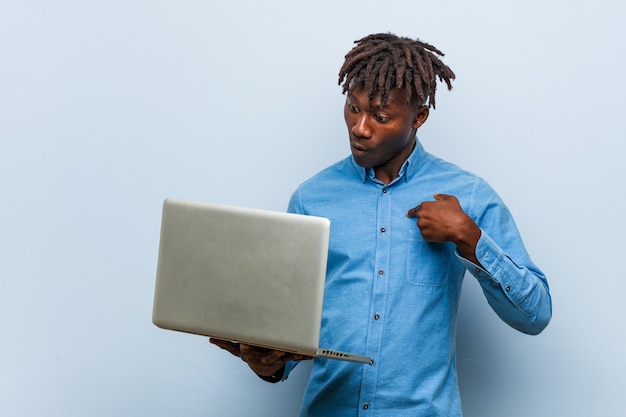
{"x":378,"y":299}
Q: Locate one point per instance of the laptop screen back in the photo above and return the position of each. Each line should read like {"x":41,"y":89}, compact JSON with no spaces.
{"x":240,"y":274}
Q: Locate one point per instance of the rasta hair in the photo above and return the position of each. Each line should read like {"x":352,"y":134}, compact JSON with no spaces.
{"x":383,"y":62}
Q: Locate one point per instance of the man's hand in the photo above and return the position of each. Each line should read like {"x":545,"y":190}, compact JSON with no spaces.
{"x":443,"y":220}
{"x":264,"y":362}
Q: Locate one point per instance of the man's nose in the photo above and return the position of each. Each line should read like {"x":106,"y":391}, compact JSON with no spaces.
{"x":361,"y":127}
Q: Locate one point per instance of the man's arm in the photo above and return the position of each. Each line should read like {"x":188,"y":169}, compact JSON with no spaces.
{"x":514,"y":287}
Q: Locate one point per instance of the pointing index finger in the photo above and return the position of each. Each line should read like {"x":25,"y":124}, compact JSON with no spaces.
{"x":413,"y":212}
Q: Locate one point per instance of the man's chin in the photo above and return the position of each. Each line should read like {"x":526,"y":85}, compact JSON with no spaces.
{"x":362,"y":162}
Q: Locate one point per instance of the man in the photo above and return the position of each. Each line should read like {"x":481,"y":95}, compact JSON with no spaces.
{"x":405,"y":226}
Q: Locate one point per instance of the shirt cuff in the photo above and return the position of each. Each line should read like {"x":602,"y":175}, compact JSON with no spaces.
{"x":488,"y":254}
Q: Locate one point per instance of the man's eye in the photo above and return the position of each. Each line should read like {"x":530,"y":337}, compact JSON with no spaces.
{"x":381,"y":119}
{"x":352,"y":108}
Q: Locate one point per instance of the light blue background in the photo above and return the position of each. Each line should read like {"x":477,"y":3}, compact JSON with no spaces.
{"x":106,"y":108}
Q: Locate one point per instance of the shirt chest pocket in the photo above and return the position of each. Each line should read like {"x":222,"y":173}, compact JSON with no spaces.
{"x":427,"y":264}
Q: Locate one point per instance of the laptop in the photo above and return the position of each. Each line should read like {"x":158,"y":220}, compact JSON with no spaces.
{"x":244,"y":275}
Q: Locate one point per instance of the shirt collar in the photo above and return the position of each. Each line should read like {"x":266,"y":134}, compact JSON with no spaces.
{"x":407,"y":171}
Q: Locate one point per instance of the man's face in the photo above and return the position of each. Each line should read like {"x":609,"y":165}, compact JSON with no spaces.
{"x":381,"y":135}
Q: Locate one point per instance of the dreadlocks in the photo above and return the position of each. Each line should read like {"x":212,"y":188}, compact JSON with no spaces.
{"x":384,"y":61}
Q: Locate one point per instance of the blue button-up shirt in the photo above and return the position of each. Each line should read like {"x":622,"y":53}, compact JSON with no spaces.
{"x":393,"y":296}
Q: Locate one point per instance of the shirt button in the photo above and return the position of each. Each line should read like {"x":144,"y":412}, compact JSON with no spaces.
{"x":508,"y":288}
{"x":366,"y":406}
{"x":383,"y":230}
{"x":384,"y":191}
{"x":381,"y":272}
{"x":376,"y":316}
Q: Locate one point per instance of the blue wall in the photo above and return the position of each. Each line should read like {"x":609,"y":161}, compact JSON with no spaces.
{"x":106,"y":108}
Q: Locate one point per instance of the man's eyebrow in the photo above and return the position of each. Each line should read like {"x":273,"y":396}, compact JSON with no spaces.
{"x":353,"y":100}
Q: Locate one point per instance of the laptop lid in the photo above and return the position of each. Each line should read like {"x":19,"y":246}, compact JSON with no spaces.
{"x":246,"y":275}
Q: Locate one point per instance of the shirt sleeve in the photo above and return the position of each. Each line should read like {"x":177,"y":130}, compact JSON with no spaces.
{"x":515,"y":288}
{"x":295,"y":205}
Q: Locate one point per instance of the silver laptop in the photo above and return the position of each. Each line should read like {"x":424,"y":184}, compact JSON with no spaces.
{"x":246,"y":275}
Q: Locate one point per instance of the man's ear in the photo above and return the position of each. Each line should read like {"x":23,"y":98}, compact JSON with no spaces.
{"x":420,"y":116}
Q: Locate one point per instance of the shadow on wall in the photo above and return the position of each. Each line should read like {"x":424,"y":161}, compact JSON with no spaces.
{"x":481,"y":356}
